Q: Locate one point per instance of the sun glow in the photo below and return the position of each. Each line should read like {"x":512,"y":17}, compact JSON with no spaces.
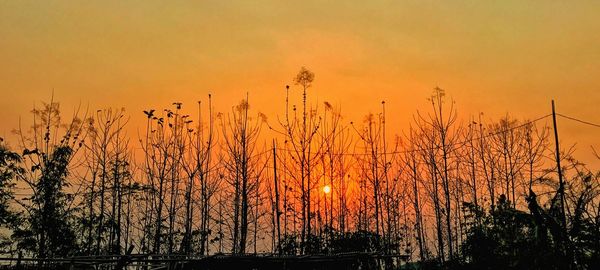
{"x":326,"y":189}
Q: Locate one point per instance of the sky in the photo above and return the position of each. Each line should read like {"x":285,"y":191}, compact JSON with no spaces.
{"x":495,"y":57}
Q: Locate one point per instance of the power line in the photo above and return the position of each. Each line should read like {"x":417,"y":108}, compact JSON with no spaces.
{"x":218,"y":167}
{"x":212,"y":169}
{"x":578,"y":120}
{"x":439,"y":147}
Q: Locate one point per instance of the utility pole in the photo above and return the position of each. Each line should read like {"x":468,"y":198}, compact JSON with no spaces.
{"x":561,"y":184}
{"x":561,"y":190}
{"x":277,"y":212}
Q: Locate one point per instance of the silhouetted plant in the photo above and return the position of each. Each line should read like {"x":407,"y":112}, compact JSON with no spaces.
{"x":359,"y":241}
{"x":10,"y":163}
{"x":289,"y":244}
{"x":46,"y":229}
{"x":461,"y":198}
{"x":49,"y":231}
{"x":509,"y":239}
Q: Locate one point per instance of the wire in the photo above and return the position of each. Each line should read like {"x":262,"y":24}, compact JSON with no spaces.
{"x":439,"y":147}
{"x":578,"y":120}
{"x":266,"y":151}
{"x":212,"y":169}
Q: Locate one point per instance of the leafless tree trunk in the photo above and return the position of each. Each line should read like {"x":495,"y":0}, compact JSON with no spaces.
{"x":240,"y":135}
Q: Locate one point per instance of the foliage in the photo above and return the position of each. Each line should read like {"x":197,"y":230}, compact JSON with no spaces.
{"x":289,"y":244}
{"x":49,"y":231}
{"x":195,"y":193}
{"x":507,"y":238}
{"x":584,"y":231}
{"x":359,"y":241}
{"x":45,"y":228}
{"x":334,"y":243}
{"x":9,"y":168}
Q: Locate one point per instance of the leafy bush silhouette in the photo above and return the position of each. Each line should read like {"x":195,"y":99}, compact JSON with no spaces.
{"x":48,"y":230}
{"x":334,"y":242}
{"x":289,"y":244}
{"x":507,"y":238}
{"x":9,"y":168}
{"x":359,"y":241}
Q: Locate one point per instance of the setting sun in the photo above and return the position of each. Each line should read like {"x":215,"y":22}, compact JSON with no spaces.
{"x":327,"y":189}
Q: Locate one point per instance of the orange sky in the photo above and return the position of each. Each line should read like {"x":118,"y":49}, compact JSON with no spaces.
{"x":491,"y":56}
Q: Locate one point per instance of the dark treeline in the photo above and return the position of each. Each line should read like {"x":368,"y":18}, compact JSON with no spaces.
{"x":446,"y":192}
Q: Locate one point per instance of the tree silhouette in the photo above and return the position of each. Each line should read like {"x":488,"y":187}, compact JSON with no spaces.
{"x":48,"y":230}
{"x":447,"y":194}
{"x":10,"y":167}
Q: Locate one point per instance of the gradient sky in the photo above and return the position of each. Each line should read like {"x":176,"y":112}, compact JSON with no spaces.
{"x":490,"y":56}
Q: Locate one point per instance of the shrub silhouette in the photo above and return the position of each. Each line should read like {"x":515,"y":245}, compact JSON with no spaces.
{"x":507,"y":238}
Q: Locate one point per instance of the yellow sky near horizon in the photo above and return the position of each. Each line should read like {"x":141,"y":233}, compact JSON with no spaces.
{"x":493,"y":56}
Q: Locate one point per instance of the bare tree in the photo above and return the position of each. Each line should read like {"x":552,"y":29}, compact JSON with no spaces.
{"x":243,"y":171}
{"x":300,"y":132}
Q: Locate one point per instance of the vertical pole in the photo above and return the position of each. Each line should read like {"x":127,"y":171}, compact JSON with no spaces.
{"x":277,"y":212}
{"x":561,"y":190}
{"x":561,"y":185}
